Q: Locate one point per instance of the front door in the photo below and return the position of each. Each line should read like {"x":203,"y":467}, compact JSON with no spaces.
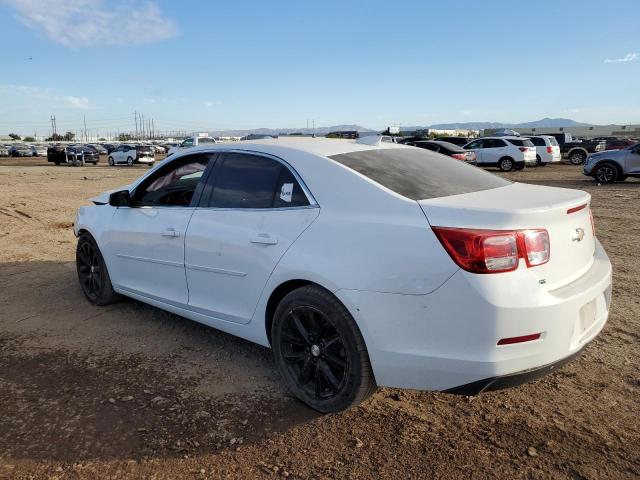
{"x":633,"y":160}
{"x":144,"y":248}
{"x":252,"y":210}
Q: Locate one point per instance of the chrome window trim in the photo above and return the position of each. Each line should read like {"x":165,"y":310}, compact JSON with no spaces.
{"x":232,"y":149}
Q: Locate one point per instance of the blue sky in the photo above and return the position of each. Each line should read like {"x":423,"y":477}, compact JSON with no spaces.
{"x":248,"y":64}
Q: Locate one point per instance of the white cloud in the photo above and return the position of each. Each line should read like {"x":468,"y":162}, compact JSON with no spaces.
{"x":84,"y":23}
{"x":629,"y":57}
{"x":46,"y":95}
{"x":209,"y":104}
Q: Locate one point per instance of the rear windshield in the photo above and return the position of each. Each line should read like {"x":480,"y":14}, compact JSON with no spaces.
{"x":524,"y":142}
{"x":206,"y":140}
{"x":144,"y":148}
{"x":419,"y":174}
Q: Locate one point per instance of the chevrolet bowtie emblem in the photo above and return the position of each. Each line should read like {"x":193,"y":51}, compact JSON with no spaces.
{"x":578,"y":235}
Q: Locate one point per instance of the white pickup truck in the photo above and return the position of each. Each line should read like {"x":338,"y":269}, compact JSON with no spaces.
{"x":191,"y":142}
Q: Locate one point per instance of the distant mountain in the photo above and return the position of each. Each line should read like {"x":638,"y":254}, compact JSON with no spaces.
{"x":543,"y":123}
{"x":287,"y":131}
{"x":320,"y":131}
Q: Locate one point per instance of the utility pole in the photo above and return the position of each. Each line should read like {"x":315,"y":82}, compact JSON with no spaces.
{"x":53,"y":125}
{"x":153,"y":129}
{"x":135,"y":118}
{"x":84,"y":120}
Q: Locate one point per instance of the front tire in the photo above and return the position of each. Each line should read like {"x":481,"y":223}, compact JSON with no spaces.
{"x":605,"y":173}
{"x":129,"y":161}
{"x":92,"y":272}
{"x":111,"y":162}
{"x":320,"y":351}
{"x":506,"y":164}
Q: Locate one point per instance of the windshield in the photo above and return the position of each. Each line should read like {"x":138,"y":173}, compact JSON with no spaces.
{"x":419,"y":174}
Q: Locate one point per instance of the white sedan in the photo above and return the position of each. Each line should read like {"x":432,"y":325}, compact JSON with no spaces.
{"x":359,"y":263}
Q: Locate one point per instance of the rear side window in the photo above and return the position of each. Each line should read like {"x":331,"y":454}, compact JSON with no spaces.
{"x":524,"y":142}
{"x":419,"y":174}
{"x":553,"y":141}
{"x":537,"y":141}
{"x":494,"y":143}
{"x":252,"y":181}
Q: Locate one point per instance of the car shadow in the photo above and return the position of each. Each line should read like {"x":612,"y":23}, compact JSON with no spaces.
{"x":81,"y":382}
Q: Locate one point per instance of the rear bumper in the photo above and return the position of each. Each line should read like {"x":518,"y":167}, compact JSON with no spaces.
{"x":448,"y":339}
{"x":513,"y":379}
{"x":145,"y":160}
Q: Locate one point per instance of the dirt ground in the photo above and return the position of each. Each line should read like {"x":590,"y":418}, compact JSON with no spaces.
{"x":129,"y":391}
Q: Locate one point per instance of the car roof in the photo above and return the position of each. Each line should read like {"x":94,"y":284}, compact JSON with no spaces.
{"x":440,"y":142}
{"x":506,"y":137}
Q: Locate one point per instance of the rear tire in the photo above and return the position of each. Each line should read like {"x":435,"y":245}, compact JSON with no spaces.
{"x":129,"y":161}
{"x":92,"y":272}
{"x":538,"y":161}
{"x":577,"y":158}
{"x":320,"y":351}
{"x":111,"y":162}
{"x":605,"y":173}
{"x":506,"y":164}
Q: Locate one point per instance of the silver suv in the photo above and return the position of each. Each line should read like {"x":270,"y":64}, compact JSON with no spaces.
{"x":614,"y":165}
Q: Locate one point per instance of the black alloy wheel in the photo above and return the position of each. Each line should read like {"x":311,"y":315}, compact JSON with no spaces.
{"x":606,"y":173}
{"x":89,"y":270}
{"x":314,"y":352}
{"x":92,"y":272}
{"x":320,"y":351}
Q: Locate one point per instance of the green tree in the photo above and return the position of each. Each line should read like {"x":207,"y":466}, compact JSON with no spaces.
{"x":124,"y":137}
{"x":69,"y":136}
{"x":56,"y":137}
{"x":102,"y":139}
{"x":15,"y":136}
{"x":29,"y":139}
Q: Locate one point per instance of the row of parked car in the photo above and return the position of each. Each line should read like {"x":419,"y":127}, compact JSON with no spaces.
{"x":505,"y":152}
{"x":81,"y":154}
{"x":513,"y":152}
{"x":23,"y":150}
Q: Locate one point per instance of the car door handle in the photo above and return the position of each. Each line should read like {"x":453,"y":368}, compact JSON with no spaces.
{"x":170,"y":232}
{"x":264,"y":239}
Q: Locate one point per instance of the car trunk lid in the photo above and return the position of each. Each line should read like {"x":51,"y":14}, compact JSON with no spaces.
{"x":564,"y":213}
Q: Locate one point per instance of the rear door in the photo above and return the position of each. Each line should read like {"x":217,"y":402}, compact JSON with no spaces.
{"x":252,"y":209}
{"x":476,"y":146}
{"x":494,"y":149}
{"x":144,"y":246}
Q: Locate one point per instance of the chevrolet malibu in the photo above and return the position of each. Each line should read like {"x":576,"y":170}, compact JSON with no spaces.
{"x":360,"y":263}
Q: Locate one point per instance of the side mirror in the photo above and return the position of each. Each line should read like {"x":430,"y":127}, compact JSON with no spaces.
{"x":120,"y":199}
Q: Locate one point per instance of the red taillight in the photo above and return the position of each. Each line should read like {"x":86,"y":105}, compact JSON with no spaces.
{"x":536,"y":246}
{"x":549,"y":149}
{"x":523,"y":338}
{"x":459,"y":156}
{"x":494,"y":251}
{"x":523,"y":149}
{"x":576,"y":209}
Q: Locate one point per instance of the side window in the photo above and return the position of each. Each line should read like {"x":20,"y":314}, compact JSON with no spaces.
{"x":174,"y":185}
{"x":476,"y":144}
{"x":289,"y":193}
{"x":252,"y":181}
{"x":494,"y":143}
{"x":431,"y":146}
{"x":187,"y":143}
